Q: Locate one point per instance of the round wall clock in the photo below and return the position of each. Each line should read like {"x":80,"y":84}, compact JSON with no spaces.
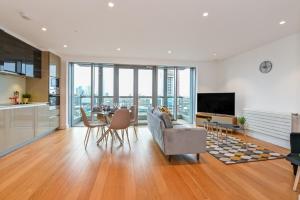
{"x":265,"y":67}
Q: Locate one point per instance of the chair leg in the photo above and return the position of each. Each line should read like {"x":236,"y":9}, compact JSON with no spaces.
{"x":102,"y":137}
{"x":102,"y":131}
{"x":128,"y":138}
{"x":118,"y":137}
{"x":106,"y":138}
{"x":98,"y":131}
{"x":88,"y":136}
{"x":135,"y":132}
{"x":296,"y":181}
{"x":112,"y":141}
{"x":122,"y":135}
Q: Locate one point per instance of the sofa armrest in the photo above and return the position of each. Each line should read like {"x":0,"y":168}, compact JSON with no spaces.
{"x":295,"y":142}
{"x":184,"y":140}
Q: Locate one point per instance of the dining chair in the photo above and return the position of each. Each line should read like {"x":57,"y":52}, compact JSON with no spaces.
{"x":90,"y":125}
{"x":133,"y":119}
{"x":294,"y":157}
{"x":120,"y":121}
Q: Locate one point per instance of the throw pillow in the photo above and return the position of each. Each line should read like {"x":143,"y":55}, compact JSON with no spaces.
{"x":167,"y":120}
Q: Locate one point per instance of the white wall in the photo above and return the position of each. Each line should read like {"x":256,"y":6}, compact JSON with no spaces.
{"x":278,"y":90}
{"x":208,"y":77}
{"x":9,"y":84}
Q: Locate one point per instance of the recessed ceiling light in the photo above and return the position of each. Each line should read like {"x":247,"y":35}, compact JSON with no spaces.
{"x":118,"y":49}
{"x":44,"y":29}
{"x":111,"y":4}
{"x":282,"y":22}
{"x":205,"y":14}
{"x":65,"y":46}
{"x":214,"y":54}
{"x":169,"y":52}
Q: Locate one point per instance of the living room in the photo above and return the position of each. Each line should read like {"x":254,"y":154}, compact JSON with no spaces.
{"x":149,"y":99}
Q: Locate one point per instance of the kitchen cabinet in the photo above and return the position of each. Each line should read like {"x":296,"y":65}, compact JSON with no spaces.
{"x":19,"y":57}
{"x":2,"y":130}
{"x":54,"y":122}
{"x":20,"y":125}
{"x":42,"y":120}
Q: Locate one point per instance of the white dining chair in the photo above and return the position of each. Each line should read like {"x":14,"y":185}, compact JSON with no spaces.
{"x":90,"y":125}
{"x":120,"y":121}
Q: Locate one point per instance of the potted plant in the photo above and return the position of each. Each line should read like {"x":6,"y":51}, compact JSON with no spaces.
{"x":242,"y":121}
{"x":26,"y":98}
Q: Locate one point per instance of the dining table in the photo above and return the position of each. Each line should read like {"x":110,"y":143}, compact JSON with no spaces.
{"x":107,"y":115}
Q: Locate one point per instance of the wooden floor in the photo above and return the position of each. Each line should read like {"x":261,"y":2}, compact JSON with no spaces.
{"x":58,"y":167}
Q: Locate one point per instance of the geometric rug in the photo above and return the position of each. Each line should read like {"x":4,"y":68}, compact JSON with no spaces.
{"x":234,"y":151}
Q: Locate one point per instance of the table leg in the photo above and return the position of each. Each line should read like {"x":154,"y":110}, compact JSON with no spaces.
{"x":103,"y":136}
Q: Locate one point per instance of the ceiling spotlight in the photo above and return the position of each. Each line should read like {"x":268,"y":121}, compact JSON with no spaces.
{"x":282,"y":22}
{"x":65,"y":46}
{"x":118,"y":49}
{"x":111,"y":4}
{"x":169,"y":52}
{"x":205,"y":14}
{"x":44,"y":29}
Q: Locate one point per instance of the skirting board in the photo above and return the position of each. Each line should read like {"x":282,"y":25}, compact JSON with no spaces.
{"x":270,"y":139}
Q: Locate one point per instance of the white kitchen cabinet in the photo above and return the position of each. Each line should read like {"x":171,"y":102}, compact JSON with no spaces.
{"x":54,"y":122}
{"x":20,"y":126}
{"x":2,"y":130}
{"x":42,"y":126}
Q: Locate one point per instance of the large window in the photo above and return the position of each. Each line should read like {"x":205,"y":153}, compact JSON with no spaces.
{"x":81,"y":90}
{"x":160,"y":87}
{"x":126,"y":87}
{"x":93,"y":85}
{"x":166,"y":86}
{"x":144,"y":93}
{"x":184,"y":94}
{"x":108,"y":86}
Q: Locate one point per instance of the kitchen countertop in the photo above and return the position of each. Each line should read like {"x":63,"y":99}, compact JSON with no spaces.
{"x":11,"y":106}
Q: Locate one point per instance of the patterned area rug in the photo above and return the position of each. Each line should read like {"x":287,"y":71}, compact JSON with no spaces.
{"x":235,"y":150}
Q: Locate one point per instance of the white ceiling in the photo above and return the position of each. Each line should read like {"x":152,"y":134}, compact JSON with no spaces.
{"x":149,"y":28}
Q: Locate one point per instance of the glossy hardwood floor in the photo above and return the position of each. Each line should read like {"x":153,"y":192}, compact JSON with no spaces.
{"x":58,"y":167}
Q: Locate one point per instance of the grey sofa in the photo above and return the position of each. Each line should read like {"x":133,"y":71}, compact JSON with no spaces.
{"x":176,"y":140}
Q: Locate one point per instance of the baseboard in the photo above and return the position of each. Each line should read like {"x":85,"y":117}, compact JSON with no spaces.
{"x":270,"y":139}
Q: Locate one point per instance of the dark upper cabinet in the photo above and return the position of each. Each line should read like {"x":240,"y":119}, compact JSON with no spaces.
{"x":19,"y":57}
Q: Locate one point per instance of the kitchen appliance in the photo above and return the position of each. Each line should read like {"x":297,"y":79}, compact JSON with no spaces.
{"x":54,"y":100}
{"x":54,"y":86}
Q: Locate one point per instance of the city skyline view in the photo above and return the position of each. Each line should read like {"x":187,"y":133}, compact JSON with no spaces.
{"x":169,"y":80}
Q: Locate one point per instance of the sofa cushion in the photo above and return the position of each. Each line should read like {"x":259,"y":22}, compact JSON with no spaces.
{"x":164,"y":117}
{"x":167,"y":120}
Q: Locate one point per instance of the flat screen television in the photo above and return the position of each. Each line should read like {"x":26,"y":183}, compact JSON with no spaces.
{"x":217,"y":103}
